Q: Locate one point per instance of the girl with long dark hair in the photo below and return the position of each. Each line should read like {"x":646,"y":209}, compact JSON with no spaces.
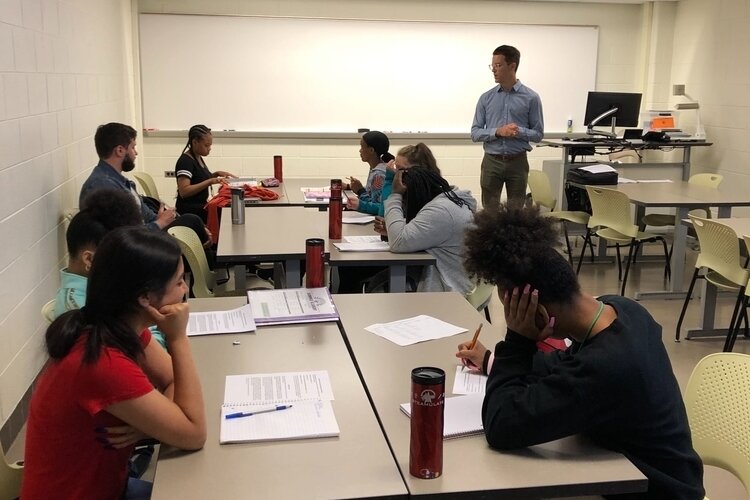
{"x":107,"y":384}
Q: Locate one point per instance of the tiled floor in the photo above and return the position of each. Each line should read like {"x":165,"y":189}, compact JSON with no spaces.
{"x":600,"y":279}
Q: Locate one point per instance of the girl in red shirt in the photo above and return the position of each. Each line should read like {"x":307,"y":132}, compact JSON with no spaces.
{"x":107,"y":384}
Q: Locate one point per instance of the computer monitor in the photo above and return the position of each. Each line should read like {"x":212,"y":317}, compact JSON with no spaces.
{"x":611,"y":108}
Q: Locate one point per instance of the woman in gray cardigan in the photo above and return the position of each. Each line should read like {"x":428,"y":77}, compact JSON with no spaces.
{"x":425,"y":213}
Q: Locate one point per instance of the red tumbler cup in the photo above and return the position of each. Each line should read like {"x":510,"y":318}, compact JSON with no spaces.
{"x":427,"y":405}
{"x":277,"y":168}
{"x":314,"y":262}
{"x":335,"y":209}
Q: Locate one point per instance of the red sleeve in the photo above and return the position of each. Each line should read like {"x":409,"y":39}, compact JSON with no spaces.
{"x":111,"y":379}
{"x":145,"y":337}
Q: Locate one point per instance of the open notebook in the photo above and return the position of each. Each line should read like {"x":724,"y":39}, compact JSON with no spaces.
{"x":310,"y":416}
{"x":304,"y":420}
{"x":463,"y":415}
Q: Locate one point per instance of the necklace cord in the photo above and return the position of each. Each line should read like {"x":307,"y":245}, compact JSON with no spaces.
{"x":593,"y":323}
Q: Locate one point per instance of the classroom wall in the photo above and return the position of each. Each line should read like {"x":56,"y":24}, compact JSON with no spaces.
{"x":63,"y":70}
{"x":620,"y":67}
{"x":712,"y":59}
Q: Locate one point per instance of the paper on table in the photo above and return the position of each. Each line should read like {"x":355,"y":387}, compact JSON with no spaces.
{"x":362,"y":244}
{"x":310,"y":416}
{"x":598,"y":168}
{"x":292,"y":305}
{"x":469,"y":381}
{"x":625,"y":180}
{"x":356,"y":218}
{"x":316,"y":193}
{"x":275,"y":388}
{"x":308,"y":419}
{"x":216,"y":322}
{"x":243,"y":182}
{"x":412,"y":330}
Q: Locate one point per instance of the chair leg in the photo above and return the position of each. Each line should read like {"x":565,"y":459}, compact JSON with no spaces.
{"x":667,"y":255}
{"x":734,"y":325}
{"x":567,"y":243}
{"x":627,"y":267}
{"x":619,"y":262}
{"x":586,"y":239}
{"x":591,"y":249}
{"x":685,"y":305}
{"x":637,"y":249}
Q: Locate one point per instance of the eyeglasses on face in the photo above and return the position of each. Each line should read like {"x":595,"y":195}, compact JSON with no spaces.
{"x":494,"y":66}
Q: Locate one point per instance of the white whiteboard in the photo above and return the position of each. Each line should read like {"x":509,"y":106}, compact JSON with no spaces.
{"x":269,"y":74}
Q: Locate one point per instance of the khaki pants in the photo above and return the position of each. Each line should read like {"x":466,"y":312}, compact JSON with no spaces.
{"x":513,"y":174}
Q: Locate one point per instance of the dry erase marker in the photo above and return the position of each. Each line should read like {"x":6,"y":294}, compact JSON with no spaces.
{"x":250,"y":414}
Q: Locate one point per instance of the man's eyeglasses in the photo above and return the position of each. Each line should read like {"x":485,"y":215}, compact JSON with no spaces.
{"x":494,"y":66}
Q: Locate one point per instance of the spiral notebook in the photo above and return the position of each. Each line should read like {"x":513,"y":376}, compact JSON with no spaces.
{"x":463,"y":415}
{"x":310,"y":416}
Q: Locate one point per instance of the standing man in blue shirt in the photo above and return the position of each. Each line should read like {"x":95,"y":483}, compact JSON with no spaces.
{"x":507,"y":118}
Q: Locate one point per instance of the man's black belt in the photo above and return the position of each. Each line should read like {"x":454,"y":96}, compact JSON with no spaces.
{"x":508,"y":157}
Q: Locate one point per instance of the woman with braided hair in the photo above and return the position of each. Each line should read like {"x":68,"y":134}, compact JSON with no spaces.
{"x":614,"y":384}
{"x":193,"y":176}
{"x":424,"y":212}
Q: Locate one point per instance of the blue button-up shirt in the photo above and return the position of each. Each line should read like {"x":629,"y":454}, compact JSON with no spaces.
{"x":105,"y":176}
{"x":498,"y":107}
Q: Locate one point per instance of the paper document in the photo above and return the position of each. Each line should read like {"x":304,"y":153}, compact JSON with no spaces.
{"x":357,"y":218}
{"x":625,"y":180}
{"x":598,"y":168}
{"x":316,"y":193}
{"x":308,"y":394}
{"x":310,"y":419}
{"x":292,"y":305}
{"x":412,"y":330}
{"x":275,"y":388}
{"x":462,"y":417}
{"x":469,"y":381}
{"x":215,"y":322}
{"x":362,"y":244}
{"x":241,"y":182}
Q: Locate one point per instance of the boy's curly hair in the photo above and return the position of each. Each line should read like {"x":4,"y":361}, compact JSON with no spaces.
{"x":515,"y":245}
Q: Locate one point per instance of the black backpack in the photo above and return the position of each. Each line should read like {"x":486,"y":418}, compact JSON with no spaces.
{"x":576,"y":196}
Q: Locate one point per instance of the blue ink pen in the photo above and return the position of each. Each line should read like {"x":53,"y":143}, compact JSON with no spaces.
{"x":250,"y":414}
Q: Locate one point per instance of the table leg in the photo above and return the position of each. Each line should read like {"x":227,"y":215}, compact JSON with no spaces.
{"x":686,"y":163}
{"x":293,"y":276}
{"x":707,"y":314}
{"x":240,"y":280}
{"x":397,"y":275}
{"x":677,"y":283}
